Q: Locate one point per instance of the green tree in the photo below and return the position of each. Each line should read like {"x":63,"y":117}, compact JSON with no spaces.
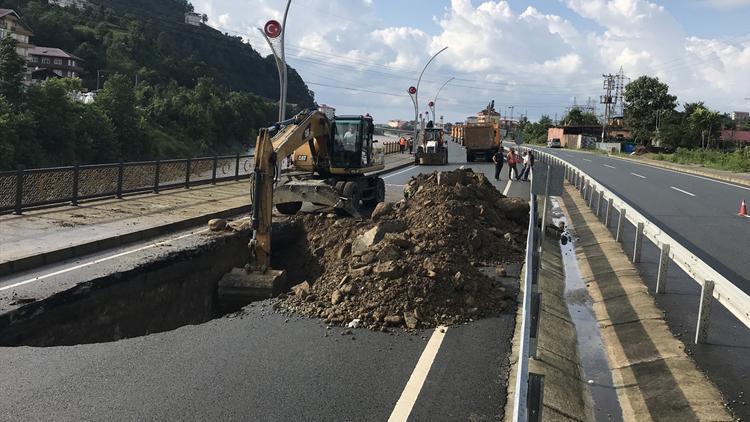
{"x":12,"y":68}
{"x":643,"y":98}
{"x":576,"y":117}
{"x":707,"y":123}
{"x":117,"y":102}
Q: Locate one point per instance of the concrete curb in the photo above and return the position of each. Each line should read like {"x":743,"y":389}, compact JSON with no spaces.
{"x":681,"y":169}
{"x":74,"y":251}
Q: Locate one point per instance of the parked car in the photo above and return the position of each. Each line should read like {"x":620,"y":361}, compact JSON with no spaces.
{"x":554,"y":143}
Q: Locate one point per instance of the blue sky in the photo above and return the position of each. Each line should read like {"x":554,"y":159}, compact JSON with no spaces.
{"x":538,"y":56}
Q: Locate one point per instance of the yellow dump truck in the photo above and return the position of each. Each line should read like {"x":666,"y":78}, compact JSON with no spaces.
{"x":480,"y":142}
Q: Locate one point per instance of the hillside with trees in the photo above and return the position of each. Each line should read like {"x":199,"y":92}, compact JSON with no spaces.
{"x":168,"y":89}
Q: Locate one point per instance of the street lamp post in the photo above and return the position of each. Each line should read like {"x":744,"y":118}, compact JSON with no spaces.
{"x":434,"y":100}
{"x":414,"y":93}
{"x":274,"y":33}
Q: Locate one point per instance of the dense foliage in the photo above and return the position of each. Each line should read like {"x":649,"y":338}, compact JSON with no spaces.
{"x":198,"y":91}
{"x":738,"y":161}
{"x":535,"y":132}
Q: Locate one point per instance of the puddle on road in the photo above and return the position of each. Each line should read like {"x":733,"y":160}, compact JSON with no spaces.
{"x":593,"y":359}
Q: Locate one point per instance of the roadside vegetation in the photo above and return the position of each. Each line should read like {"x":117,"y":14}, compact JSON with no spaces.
{"x":737,"y":161}
{"x":167,"y":89}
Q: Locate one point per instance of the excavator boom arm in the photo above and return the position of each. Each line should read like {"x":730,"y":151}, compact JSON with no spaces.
{"x":304,"y":128}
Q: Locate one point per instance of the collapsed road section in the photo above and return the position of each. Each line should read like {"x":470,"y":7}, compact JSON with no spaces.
{"x":417,"y":263}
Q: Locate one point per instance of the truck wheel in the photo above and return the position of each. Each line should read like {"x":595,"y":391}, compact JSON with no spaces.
{"x":352,"y":193}
{"x":289,"y":208}
{"x":378,"y":193}
{"x":340,"y":187}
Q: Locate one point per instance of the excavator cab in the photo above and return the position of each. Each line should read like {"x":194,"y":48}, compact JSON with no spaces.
{"x":352,"y":144}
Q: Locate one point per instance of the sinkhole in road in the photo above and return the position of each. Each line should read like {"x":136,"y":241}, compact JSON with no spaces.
{"x":154,"y":297}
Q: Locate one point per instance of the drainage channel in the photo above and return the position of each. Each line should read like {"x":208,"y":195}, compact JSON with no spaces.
{"x":590,"y":346}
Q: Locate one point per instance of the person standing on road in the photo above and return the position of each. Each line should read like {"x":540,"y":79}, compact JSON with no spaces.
{"x":402,"y":144}
{"x":498,"y":159}
{"x":528,"y":165}
{"x":512,"y":161}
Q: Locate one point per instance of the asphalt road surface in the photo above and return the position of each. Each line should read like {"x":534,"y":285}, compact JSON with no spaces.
{"x":260,"y":366}
{"x":698,"y":212}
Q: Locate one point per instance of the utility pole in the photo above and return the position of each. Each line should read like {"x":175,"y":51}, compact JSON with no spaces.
{"x":607,"y":100}
{"x":273,"y":32}
{"x":414,"y":94}
{"x":98,"y":78}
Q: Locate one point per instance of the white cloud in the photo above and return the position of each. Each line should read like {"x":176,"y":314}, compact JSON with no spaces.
{"x":725,"y":4}
{"x":529,"y":58}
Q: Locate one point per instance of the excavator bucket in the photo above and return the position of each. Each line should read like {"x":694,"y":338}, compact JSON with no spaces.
{"x":239,"y":287}
{"x":318,"y":192}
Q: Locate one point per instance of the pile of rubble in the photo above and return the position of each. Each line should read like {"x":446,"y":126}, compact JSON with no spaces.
{"x":418,"y":262}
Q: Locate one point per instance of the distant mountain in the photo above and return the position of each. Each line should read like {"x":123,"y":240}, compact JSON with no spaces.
{"x":150,"y":39}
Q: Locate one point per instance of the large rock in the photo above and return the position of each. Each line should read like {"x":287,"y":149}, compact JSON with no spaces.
{"x":389,"y":253}
{"x":515,"y":209}
{"x":217,"y":224}
{"x":371,"y":237}
{"x":383,"y":208}
{"x":389,"y":270}
{"x":301,"y":290}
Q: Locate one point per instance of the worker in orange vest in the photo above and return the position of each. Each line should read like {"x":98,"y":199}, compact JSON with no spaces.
{"x":402,"y":144}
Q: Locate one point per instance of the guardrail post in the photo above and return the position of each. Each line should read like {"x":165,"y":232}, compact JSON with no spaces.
{"x":535,"y":397}
{"x":19,"y":191}
{"x":661,"y":276}
{"x":213,"y":174}
{"x":620,"y":225}
{"x":704,"y":312}
{"x":74,"y":193}
{"x":592,"y":192}
{"x":608,"y":215}
{"x":638,"y":243}
{"x":536,"y":313}
{"x":157,"y":170}
{"x":188,"y":167}
{"x":120,"y":177}
{"x":237,"y":167}
{"x":599,"y":204}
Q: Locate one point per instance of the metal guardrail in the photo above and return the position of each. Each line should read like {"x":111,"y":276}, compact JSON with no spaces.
{"x":712,"y":283}
{"x":521,"y":408}
{"x":23,"y":189}
{"x":391,"y":147}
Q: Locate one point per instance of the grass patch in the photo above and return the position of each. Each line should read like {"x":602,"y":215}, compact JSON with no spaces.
{"x":737,"y":161}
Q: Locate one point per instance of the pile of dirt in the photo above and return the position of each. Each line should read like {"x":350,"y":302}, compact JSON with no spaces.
{"x":418,"y":262}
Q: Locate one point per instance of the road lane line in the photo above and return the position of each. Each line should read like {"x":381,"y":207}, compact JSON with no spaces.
{"x":638,"y":175}
{"x":409,"y":396}
{"x":607,"y":165}
{"x":586,"y":159}
{"x":734,"y":185}
{"x":395,"y":186}
{"x":100,"y":260}
{"x":507,"y":188}
{"x":683,"y":191}
{"x":397,"y":173}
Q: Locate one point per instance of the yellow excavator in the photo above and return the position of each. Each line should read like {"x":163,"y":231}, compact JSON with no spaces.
{"x":333,"y":165}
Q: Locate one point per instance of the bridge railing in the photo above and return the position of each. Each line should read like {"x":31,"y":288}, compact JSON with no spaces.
{"x":30,"y":188}
{"x":391,"y":147}
{"x":713,"y":285}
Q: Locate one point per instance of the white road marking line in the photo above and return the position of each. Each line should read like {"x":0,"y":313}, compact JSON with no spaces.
{"x":586,"y":159}
{"x":607,"y":165}
{"x":409,"y":396}
{"x":683,"y":191}
{"x":638,"y":175}
{"x":507,"y":188}
{"x":99,"y":260}
{"x":395,"y":186}
{"x":689,"y":174}
{"x":402,"y":171}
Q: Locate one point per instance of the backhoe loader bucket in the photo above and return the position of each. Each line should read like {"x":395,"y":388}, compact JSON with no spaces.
{"x":318,"y":192}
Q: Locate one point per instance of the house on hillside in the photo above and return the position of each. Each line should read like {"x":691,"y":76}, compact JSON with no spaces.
{"x":47,"y":62}
{"x":12,"y":24}
{"x":195,"y":19}
{"x":81,"y":4}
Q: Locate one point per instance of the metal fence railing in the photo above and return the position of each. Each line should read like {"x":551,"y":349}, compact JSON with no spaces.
{"x":23,"y":189}
{"x":391,"y":147}
{"x":713,"y":284}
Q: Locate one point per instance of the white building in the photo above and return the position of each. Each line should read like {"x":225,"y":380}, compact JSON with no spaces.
{"x":68,"y":3}
{"x":740,"y":115}
{"x":329,"y":111}
{"x":192,"y":18}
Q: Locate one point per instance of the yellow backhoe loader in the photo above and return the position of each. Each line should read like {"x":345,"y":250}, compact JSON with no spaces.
{"x":333,"y":162}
